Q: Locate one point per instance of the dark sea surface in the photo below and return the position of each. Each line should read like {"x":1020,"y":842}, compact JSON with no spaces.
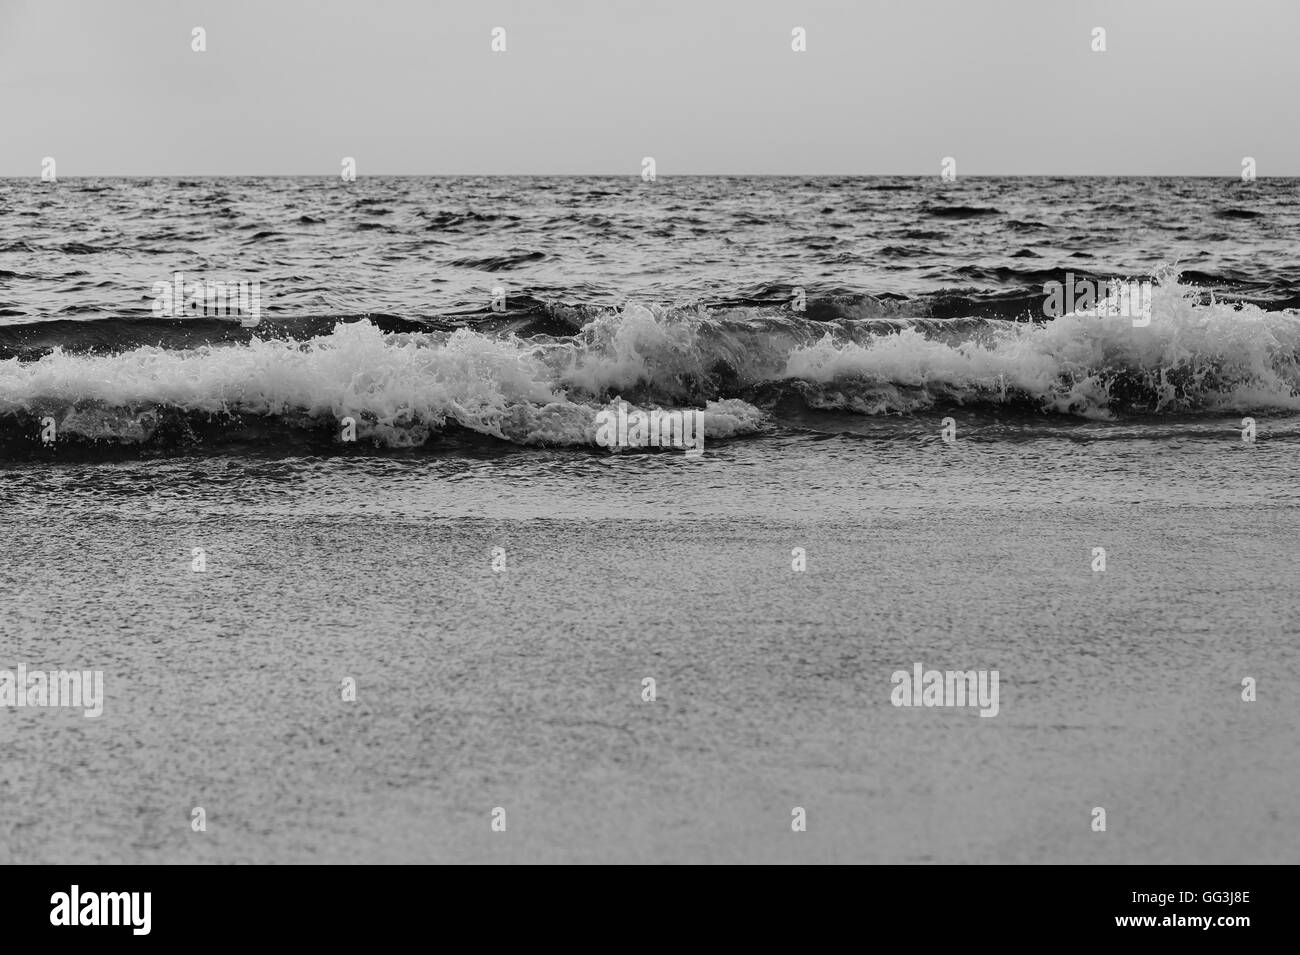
{"x":433,"y":248}
{"x":521,"y":687}
{"x":759,"y":300}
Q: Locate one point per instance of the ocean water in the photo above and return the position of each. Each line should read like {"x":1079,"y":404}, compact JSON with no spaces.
{"x":519,"y":686}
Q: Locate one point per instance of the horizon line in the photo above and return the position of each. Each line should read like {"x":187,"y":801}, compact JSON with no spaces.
{"x":679,"y":175}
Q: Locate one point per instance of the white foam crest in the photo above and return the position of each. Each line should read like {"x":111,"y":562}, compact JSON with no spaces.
{"x":1189,"y":356}
{"x":398,"y":388}
{"x":636,"y":345}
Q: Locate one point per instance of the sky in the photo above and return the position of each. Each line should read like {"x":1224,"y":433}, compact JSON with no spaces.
{"x":413,"y":87}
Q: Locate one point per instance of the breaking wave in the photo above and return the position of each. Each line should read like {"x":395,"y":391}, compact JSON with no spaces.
{"x":407,"y":384}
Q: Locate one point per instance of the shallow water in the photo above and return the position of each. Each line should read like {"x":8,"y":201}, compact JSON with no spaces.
{"x":521,"y":689}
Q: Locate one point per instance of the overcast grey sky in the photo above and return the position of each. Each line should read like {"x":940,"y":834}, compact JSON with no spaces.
{"x":112,"y":87}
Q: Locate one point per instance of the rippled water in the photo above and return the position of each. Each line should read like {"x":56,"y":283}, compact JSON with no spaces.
{"x":430,"y":247}
{"x":373,"y":559}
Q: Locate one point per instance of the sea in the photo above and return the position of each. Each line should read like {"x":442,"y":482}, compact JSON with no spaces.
{"x":313,"y":472}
